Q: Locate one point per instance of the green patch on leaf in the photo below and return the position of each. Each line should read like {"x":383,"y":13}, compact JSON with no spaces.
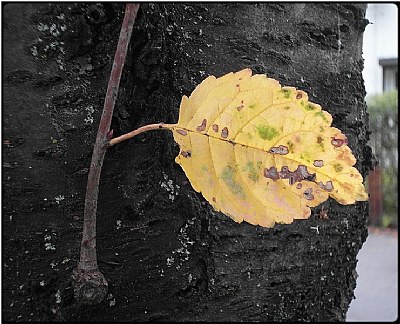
{"x":228,"y":176}
{"x":305,"y":156}
{"x":286,"y":93}
{"x":338,"y":167}
{"x":253,"y":170}
{"x":320,"y":142}
{"x":290,"y":146}
{"x":252,"y":106}
{"x":321,"y":114}
{"x":267,"y":132}
{"x":309,"y":107}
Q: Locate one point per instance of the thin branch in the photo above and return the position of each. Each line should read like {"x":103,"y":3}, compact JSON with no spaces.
{"x":89,"y":283}
{"x":88,"y":259}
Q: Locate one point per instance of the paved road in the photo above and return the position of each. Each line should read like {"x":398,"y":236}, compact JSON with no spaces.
{"x":377,"y":285}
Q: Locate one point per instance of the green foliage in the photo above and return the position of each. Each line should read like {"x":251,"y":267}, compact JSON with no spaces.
{"x":384,"y":141}
{"x":384,"y":128}
{"x":385,"y":103}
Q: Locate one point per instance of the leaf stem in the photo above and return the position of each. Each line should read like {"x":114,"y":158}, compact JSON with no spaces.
{"x":135,"y":132}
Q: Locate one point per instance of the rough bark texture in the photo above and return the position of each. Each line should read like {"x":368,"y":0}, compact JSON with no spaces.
{"x":166,"y":254}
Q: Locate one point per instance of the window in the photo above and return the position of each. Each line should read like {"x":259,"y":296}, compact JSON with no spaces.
{"x":389,"y":67}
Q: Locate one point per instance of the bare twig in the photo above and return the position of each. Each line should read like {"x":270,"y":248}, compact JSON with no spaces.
{"x":90,"y":285}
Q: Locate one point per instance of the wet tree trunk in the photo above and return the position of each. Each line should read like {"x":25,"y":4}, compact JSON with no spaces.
{"x":166,"y":254}
{"x":191,"y":263}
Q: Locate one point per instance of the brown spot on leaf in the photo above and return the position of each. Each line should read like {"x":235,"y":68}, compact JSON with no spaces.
{"x":202,"y":127}
{"x":299,"y":185}
{"x":318,"y":163}
{"x":308,"y":191}
{"x":319,"y":140}
{"x":302,"y":169}
{"x":284,"y":173}
{"x":308,"y":194}
{"x":186,"y":154}
{"x":215,"y":128}
{"x":271,"y":173}
{"x":281,"y":149}
{"x":328,"y":186}
{"x":182,"y":132}
{"x":239,"y":108}
{"x":300,"y":174}
{"x":311,"y":177}
{"x":213,"y":199}
{"x":299,"y":95}
{"x":336,"y":142}
{"x":224,"y":132}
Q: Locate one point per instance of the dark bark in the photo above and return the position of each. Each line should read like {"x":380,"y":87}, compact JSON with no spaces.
{"x":303,"y":271}
{"x":166,"y":254}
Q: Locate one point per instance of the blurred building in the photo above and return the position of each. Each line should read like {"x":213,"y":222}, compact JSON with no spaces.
{"x":380,"y":55}
{"x":380,"y":51}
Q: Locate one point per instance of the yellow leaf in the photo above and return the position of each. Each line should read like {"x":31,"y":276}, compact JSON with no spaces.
{"x":263,"y":153}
